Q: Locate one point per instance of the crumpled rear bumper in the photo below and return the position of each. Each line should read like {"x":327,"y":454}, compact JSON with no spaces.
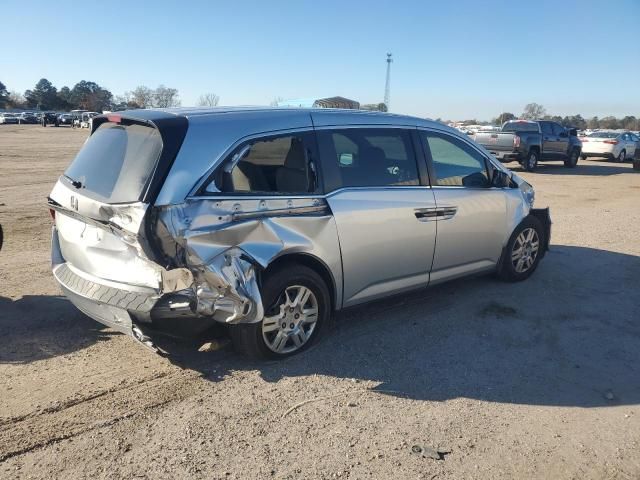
{"x":176,"y":308}
{"x":105,"y":303}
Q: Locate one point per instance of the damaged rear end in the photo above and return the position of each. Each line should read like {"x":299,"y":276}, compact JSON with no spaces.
{"x":106,"y":254}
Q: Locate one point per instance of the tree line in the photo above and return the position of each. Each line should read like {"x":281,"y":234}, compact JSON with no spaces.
{"x":87,"y":95}
{"x":534,"y":111}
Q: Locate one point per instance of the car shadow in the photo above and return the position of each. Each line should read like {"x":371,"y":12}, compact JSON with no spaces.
{"x":37,"y":327}
{"x":568,"y":336}
{"x":584,"y":167}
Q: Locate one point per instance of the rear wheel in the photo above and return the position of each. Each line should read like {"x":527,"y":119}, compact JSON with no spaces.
{"x":584,"y":157}
{"x":572,"y":161}
{"x":522,"y":253}
{"x":531,"y":162}
{"x":622,"y":156}
{"x":297,"y":306}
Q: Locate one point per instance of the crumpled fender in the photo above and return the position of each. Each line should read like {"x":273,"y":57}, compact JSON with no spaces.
{"x":225,"y":243}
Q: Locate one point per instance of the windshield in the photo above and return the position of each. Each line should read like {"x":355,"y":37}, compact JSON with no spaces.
{"x":604,"y":135}
{"x":520,"y":127}
{"x":116,"y":162}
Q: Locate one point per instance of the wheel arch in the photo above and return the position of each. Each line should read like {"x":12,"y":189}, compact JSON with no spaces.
{"x":312,"y":262}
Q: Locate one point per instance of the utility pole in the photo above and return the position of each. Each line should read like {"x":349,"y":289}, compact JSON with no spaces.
{"x":387,"y":87}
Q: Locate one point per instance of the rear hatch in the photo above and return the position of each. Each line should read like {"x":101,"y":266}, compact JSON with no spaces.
{"x":102,"y":199}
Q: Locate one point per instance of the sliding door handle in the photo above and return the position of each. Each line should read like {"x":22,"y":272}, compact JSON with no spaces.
{"x":435,"y":213}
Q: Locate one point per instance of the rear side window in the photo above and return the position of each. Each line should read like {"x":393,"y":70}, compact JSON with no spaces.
{"x":273,"y":165}
{"x":546,"y":128}
{"x":455,"y":163}
{"x":367,"y":157}
{"x":116,"y":162}
{"x":557,"y":129}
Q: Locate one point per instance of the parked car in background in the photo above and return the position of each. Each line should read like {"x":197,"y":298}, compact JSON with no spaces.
{"x":529,"y":141}
{"x":28,"y":118}
{"x":613,"y":145}
{"x":278,"y":220}
{"x":85,"y":119}
{"x":65,"y":119}
{"x":7,"y":118}
{"x":51,"y":117}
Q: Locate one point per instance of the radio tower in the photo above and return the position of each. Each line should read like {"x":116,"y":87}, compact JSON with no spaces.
{"x":387,"y":87}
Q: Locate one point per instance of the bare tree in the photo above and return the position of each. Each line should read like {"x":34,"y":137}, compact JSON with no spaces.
{"x":276,"y":101}
{"x":533,"y":111}
{"x":209,"y":100}
{"x":16,"y":100}
{"x":165,"y":97}
{"x":141,"y":96}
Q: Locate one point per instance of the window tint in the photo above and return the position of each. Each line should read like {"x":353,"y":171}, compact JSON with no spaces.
{"x":557,"y":129}
{"x":367,"y":157}
{"x":117,"y":161}
{"x":546,"y":128}
{"x":272,"y":165}
{"x":520,"y":126}
{"x":455,"y":163}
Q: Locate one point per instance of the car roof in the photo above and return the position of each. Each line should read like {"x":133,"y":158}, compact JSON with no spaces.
{"x":321,"y":116}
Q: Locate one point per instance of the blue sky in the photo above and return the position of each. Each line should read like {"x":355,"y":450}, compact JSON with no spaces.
{"x":453,"y":59}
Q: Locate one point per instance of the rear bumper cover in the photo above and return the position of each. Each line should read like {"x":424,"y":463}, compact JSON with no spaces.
{"x":126,"y":308}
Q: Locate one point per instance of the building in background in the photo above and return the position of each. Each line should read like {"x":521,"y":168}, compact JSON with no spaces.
{"x":328,"y":102}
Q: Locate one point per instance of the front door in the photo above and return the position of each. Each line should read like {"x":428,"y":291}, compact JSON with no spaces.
{"x":385,"y":217}
{"x":472,"y":215}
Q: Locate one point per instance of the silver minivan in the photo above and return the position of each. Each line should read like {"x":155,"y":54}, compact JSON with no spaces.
{"x":268,"y":220}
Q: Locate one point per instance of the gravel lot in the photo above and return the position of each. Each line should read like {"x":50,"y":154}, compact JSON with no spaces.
{"x":535,"y":380}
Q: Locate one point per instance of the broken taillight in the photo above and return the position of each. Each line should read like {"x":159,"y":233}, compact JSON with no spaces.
{"x":516,"y":141}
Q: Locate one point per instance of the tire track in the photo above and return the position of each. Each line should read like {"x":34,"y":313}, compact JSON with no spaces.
{"x":21,"y":435}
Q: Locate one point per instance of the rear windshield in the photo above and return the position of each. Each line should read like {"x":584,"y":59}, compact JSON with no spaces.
{"x":520,"y":127}
{"x":116,"y":162}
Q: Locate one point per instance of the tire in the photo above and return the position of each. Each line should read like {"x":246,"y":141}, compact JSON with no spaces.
{"x":510,"y":269}
{"x":531,"y":162}
{"x":572,"y":161}
{"x":583,"y":157}
{"x":283,"y":331}
{"x":622,"y":156}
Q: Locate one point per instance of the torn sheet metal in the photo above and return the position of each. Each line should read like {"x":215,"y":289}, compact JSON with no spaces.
{"x":224,"y":243}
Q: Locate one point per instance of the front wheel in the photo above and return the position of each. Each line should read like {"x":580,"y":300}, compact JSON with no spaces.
{"x":297,"y":306}
{"x":522,"y":253}
{"x":572,"y":161}
{"x":531,"y":162}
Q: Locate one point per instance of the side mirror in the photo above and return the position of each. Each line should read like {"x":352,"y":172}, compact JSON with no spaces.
{"x":500,"y":179}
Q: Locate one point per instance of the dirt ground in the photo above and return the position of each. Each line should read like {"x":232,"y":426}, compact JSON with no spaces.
{"x":534,"y":380}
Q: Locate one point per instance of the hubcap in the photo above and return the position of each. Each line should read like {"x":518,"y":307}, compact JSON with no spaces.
{"x":525,"y":250}
{"x":622,"y":156}
{"x":292,"y":320}
{"x":533,"y":160}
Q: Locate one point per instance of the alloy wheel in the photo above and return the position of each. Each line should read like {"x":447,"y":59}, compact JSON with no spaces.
{"x":291,"y":321}
{"x":525,"y":250}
